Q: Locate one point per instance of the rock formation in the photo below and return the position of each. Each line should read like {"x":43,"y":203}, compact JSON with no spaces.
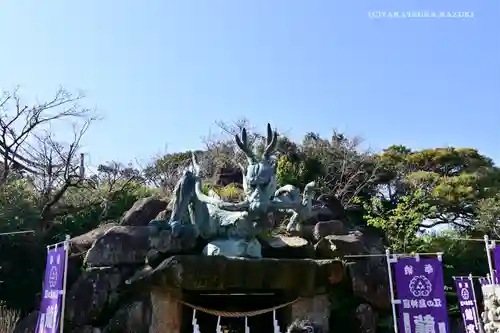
{"x":148,"y":273}
{"x":122,"y":264}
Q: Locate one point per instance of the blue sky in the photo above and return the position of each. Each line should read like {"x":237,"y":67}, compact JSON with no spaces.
{"x":161,"y":72}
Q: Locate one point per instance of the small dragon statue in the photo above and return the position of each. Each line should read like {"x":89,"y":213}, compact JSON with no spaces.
{"x":231,"y":228}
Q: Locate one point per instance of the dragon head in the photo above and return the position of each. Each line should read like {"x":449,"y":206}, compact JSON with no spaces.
{"x":259,"y":182}
{"x":259,"y":176}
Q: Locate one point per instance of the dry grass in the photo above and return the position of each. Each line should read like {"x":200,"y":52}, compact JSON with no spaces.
{"x":231,"y":193}
{"x":8,"y":319}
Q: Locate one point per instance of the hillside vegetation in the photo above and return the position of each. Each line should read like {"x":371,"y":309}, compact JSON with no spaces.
{"x":46,"y":186}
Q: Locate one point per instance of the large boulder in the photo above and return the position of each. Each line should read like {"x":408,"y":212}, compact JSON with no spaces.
{"x":279,"y":246}
{"x":94,"y":295}
{"x":326,"y":228}
{"x":333,"y":246}
{"x":132,"y":245}
{"x":143,"y":211}
{"x":164,"y":243}
{"x":120,"y":245}
{"x":368,"y":273}
{"x":84,"y":242}
{"x":132,"y":317}
{"x":167,"y":243}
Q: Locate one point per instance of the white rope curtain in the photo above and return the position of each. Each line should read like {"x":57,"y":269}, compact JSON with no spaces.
{"x":218,"y":329}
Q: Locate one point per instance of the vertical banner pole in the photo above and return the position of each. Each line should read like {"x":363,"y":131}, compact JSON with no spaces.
{"x":218,"y":329}
{"x":488,"y":256}
{"x":391,"y":288}
{"x":65,"y":281}
{"x":478,"y":320}
{"x":196,"y":328}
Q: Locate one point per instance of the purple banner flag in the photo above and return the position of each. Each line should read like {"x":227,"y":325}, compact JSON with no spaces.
{"x":496,"y":259}
{"x":420,"y":288}
{"x":52,"y":294}
{"x":467,"y":302}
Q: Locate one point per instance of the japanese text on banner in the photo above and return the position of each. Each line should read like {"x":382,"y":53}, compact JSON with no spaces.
{"x":420,"y":288}
{"x":467,"y":304}
{"x":50,"y":307}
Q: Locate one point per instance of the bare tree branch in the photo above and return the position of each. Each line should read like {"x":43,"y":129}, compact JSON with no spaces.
{"x":63,"y":168}
{"x":347,"y":171}
{"x":222,"y":153}
{"x":28,"y":146}
{"x":20,"y":124}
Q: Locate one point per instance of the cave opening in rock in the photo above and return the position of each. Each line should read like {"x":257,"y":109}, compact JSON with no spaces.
{"x":235,"y":303}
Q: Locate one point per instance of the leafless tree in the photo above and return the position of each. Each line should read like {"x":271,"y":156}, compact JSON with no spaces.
{"x":347,"y":170}
{"x":64,"y":167}
{"x":114,"y":178}
{"x":19,"y":123}
{"x":165,"y":169}
{"x":28,"y":146}
{"x":222,"y":152}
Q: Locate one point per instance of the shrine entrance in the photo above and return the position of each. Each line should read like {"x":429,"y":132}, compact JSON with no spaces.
{"x":230,"y":310}
{"x":234,"y":288}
